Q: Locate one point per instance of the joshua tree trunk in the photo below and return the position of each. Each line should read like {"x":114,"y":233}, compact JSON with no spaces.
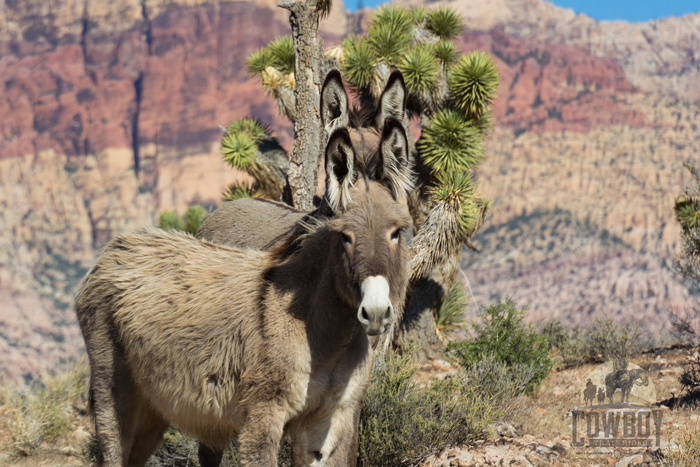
{"x":418,"y":324}
{"x":309,"y":72}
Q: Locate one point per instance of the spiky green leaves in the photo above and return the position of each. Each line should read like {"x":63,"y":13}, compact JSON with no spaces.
{"x":236,"y":191}
{"x":239,"y":149}
{"x":457,"y":189}
{"x":450,"y":142}
{"x":446,"y":51}
{"x":445,"y":23}
{"x":390,"y":33}
{"x":473,"y":82}
{"x":358,"y":65}
{"x":252,"y":127}
{"x":420,"y":70}
{"x":239,"y":144}
{"x":278,"y":54}
{"x":687,"y":212}
{"x":417,"y":14}
{"x":450,"y":316}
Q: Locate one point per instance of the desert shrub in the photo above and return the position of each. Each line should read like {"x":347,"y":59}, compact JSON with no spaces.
{"x":689,"y":378}
{"x":194,"y":218}
{"x":169,"y":220}
{"x":603,"y":340}
{"x":606,"y":340}
{"x":449,"y":317}
{"x":685,"y":327}
{"x":492,"y":378}
{"x":44,"y":410}
{"x":569,"y":344}
{"x":504,"y":336}
{"x":179,"y":450}
{"x":402,"y":424}
{"x":687,"y":449}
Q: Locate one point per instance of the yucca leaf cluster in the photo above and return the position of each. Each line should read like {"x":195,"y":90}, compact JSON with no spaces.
{"x":686,"y":208}
{"x":449,"y":92}
{"x":278,"y":54}
{"x":239,"y":145}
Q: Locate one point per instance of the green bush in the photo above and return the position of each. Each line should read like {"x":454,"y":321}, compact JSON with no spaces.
{"x":402,"y":424}
{"x":194,"y":218}
{"x":606,"y":340}
{"x":603,"y":340}
{"x":494,"y":379}
{"x":504,"y":335}
{"x":169,"y":220}
{"x":570,"y":344}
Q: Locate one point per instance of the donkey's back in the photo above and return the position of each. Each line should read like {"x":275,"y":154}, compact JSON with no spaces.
{"x":165,"y":318}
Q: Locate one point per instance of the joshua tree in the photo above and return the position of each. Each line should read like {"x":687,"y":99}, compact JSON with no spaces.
{"x":448,"y":93}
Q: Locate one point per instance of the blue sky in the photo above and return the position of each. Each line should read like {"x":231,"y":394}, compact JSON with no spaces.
{"x":628,"y":10}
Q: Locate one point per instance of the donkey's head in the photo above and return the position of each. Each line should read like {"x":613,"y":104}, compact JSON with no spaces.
{"x":367,"y":128}
{"x":371,"y":273}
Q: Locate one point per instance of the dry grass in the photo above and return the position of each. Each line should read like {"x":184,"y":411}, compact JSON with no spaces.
{"x":44,"y":410}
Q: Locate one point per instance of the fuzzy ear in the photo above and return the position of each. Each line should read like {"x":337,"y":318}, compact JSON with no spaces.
{"x":392,"y":103}
{"x":334,"y":103}
{"x":393,"y":169}
{"x":340,"y":169}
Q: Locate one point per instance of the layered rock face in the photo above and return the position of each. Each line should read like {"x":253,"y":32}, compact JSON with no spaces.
{"x":110,"y":113}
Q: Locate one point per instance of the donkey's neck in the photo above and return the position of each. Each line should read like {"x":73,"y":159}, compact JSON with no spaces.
{"x":331,"y":322}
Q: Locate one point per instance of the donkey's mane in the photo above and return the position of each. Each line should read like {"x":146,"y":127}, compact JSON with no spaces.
{"x":298,"y":235}
{"x":361,"y":115}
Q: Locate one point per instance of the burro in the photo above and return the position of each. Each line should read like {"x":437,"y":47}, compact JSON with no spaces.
{"x":257,"y":345}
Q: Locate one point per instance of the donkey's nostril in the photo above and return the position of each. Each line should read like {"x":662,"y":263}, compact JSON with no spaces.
{"x":387,"y":315}
{"x":364,"y":314}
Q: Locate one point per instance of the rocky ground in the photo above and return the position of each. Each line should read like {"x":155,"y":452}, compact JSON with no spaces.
{"x":536,"y":432}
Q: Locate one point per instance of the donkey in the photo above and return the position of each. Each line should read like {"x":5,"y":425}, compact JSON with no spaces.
{"x":260,"y":345}
{"x":262,"y":224}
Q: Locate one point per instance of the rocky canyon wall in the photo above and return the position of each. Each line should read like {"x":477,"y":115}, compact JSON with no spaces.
{"x":110,"y":113}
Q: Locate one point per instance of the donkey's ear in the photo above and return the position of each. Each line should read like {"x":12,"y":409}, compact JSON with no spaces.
{"x":392,"y":103}
{"x":393,"y":169}
{"x":334,"y":103}
{"x":340,"y":169}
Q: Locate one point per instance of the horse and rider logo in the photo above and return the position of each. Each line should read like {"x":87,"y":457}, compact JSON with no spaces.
{"x":618,"y":408}
{"x":625,"y":379}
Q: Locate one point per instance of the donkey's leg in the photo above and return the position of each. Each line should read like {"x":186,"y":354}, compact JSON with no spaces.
{"x":261,"y":434}
{"x":148,"y":434}
{"x":209,"y":457}
{"x":112,"y":393}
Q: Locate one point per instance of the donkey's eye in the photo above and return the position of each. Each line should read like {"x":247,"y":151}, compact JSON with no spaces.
{"x":347,"y":239}
{"x":396,"y":234}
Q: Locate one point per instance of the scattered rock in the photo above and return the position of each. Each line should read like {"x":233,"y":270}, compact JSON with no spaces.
{"x":562,"y":447}
{"x":541,"y":449}
{"x":630,"y":461}
{"x":67,"y":451}
{"x":506,"y":430}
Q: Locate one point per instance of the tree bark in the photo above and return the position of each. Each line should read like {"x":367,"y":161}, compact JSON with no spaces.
{"x":309,"y":72}
{"x":418,"y":323}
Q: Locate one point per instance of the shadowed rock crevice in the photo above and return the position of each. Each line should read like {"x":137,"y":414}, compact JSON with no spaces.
{"x":147,"y":26}
{"x":138,"y":95}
